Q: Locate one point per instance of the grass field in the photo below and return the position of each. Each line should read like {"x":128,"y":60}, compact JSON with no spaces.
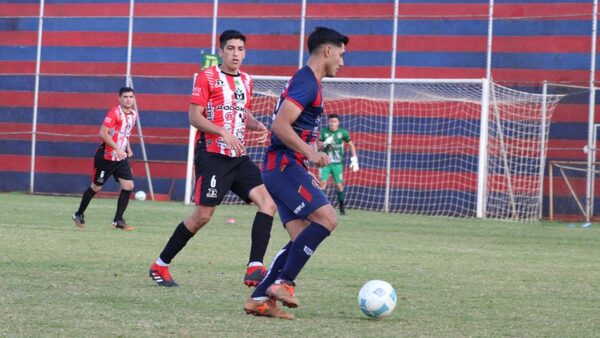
{"x":454,"y":277}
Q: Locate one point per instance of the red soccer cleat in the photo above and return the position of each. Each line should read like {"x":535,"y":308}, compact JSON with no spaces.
{"x":254,"y":274}
{"x":161,"y":275}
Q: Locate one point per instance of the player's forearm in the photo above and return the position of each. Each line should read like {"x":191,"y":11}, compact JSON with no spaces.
{"x":202,"y":123}
{"x":253,"y":123}
{"x":286,"y":134}
{"x":353,"y":150}
{"x":107,"y":139}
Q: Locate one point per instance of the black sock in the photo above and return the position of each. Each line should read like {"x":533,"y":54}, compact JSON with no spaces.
{"x":122,"y":204}
{"x":178,"y":240}
{"x":261,"y":233}
{"x":341,"y":196}
{"x":85,"y":200}
{"x":273,"y":273}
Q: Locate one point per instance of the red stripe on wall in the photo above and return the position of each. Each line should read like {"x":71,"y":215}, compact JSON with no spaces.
{"x":17,"y":67}
{"x":16,"y":99}
{"x":87,"y":9}
{"x":17,"y":10}
{"x":163,"y":102}
{"x":18,"y":38}
{"x":355,"y":10}
{"x":171,"y":40}
{"x":84,"y":68}
{"x":235,"y":10}
{"x":85,"y":39}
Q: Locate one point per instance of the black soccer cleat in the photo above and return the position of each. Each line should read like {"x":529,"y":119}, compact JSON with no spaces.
{"x":79,"y":220}
{"x":122,"y":225}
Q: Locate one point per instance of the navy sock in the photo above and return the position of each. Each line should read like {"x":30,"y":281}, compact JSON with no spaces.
{"x":304,"y":246}
{"x":273,"y":273}
{"x":85,"y":200}
{"x":178,"y":240}
{"x":261,"y":233}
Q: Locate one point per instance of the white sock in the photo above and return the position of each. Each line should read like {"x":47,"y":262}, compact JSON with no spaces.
{"x":260,"y":299}
{"x":254,"y":263}
{"x":160,"y":262}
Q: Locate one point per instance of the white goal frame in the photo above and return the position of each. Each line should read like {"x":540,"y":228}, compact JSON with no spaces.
{"x":483,"y":146}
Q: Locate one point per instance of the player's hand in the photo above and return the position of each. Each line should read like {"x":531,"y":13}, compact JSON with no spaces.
{"x":129,"y":153}
{"x":263,"y":133}
{"x":320,"y":159}
{"x":354,"y":163}
{"x":328,"y":141}
{"x":121,"y":155}
{"x":232,"y":142}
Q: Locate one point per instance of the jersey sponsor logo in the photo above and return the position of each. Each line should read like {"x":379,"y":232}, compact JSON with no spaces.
{"x":101,"y":178}
{"x":339,"y":135}
{"x":239,"y":95}
{"x":231,"y":108}
{"x":299,"y":208}
{"x":210,"y":112}
{"x":212,"y":191}
{"x":196,"y":91}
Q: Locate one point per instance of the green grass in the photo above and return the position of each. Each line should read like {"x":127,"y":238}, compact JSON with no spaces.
{"x":454,"y":277}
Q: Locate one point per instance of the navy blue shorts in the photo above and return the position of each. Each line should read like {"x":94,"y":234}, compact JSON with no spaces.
{"x":295,"y":192}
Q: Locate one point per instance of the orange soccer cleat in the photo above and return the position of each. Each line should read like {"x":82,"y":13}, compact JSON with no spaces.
{"x":284,"y":292}
{"x":266,"y":308}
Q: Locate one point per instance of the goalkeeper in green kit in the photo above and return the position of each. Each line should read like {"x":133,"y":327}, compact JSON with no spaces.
{"x":333,"y":138}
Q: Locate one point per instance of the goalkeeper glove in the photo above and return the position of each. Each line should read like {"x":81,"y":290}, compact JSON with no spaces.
{"x":328,"y":141}
{"x":354,"y":163}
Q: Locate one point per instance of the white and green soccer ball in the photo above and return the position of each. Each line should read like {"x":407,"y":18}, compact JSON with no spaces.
{"x":377,"y":299}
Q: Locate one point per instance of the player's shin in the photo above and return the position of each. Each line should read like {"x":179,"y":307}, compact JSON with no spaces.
{"x":273,"y":273}
{"x":122,"y":204}
{"x":85,"y":200}
{"x":304,"y":246}
{"x":261,"y":234}
{"x":178,"y":240}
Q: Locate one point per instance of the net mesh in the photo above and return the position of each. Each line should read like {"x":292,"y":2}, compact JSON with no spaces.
{"x":423,"y":158}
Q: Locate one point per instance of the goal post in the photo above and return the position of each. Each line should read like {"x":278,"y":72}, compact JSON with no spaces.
{"x":446,"y":147}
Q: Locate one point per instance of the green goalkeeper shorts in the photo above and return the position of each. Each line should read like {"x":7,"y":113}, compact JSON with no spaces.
{"x":335,"y":169}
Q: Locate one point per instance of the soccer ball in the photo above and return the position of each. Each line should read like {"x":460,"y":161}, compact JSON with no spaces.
{"x":140,"y":195}
{"x":377,"y":299}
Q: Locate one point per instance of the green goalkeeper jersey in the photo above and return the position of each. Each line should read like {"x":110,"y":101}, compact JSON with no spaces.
{"x":335,"y":150}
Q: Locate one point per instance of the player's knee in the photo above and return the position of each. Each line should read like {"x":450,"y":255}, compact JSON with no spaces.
{"x":96,"y":188}
{"x":268,"y":206}
{"x":127,"y":185}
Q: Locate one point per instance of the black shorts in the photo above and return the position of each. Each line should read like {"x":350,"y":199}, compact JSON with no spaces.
{"x":217,"y":174}
{"x":104,"y":169}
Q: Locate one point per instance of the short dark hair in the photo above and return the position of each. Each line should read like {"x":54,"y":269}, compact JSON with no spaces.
{"x":126,"y":90}
{"x":333,"y":116}
{"x":323,"y":35}
{"x":230,"y":34}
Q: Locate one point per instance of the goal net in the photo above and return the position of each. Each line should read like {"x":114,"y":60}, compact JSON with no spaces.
{"x":433,"y":147}
{"x":567,"y":189}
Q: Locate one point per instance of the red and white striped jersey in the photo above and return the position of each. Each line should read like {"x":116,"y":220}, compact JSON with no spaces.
{"x":119,"y":125}
{"x":225,"y":99}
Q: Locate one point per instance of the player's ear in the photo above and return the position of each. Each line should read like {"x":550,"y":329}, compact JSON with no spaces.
{"x":328,"y":50}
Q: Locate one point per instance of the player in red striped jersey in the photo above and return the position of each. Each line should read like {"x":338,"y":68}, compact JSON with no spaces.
{"x":220,"y":110}
{"x":112,"y":158}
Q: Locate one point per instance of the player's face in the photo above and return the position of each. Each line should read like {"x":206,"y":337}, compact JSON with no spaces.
{"x":233,"y":53}
{"x":126,"y":100}
{"x":335,"y":57}
{"x":333,"y":124}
